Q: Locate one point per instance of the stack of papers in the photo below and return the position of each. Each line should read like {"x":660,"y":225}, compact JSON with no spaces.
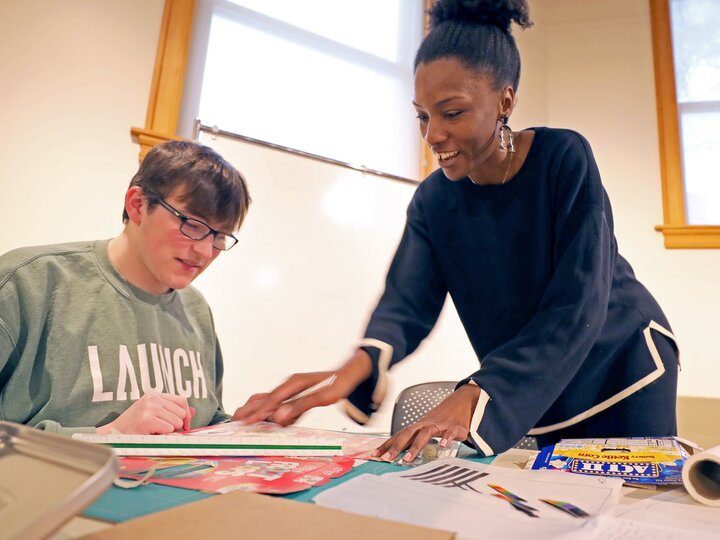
{"x":481,"y":501}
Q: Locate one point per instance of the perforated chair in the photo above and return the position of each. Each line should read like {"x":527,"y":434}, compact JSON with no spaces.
{"x":416,"y":401}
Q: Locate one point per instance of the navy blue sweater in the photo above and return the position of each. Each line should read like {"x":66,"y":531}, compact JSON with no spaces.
{"x":551,"y":308}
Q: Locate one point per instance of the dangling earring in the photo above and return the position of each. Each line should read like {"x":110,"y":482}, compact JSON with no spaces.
{"x":506,"y":135}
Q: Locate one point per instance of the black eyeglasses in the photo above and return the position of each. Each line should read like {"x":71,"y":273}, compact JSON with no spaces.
{"x":196,"y":229}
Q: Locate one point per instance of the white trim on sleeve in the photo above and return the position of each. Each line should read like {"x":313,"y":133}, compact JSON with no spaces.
{"x":353,"y":412}
{"x":386,"y":352}
{"x":477,"y":417}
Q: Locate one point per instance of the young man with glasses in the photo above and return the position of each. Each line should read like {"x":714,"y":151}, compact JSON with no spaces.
{"x":109,"y":335}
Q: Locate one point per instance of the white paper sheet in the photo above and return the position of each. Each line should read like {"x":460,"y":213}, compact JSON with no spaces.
{"x":612,"y":528}
{"x":675,"y":510}
{"x":456,"y":495}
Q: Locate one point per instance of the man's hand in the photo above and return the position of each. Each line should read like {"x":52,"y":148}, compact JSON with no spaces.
{"x":153,"y":414}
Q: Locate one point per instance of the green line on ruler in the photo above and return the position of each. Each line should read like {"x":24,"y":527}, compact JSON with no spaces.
{"x":226,"y":446}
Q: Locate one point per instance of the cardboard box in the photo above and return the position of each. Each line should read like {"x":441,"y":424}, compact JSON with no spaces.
{"x":251,"y":516}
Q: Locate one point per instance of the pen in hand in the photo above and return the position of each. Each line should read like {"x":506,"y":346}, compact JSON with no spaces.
{"x":315,"y":387}
{"x":284,"y":414}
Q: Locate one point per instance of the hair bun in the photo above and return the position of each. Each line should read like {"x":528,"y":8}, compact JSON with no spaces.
{"x":500,"y":13}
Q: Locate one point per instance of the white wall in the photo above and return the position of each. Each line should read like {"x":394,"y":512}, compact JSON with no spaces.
{"x":296,"y":292}
{"x":76,"y":76}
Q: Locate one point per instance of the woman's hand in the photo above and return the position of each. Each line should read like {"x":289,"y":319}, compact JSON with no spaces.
{"x":292,"y":398}
{"x":450,"y":420}
{"x":153,"y":414}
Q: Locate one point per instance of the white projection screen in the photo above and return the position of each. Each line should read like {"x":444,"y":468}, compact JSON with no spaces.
{"x":296,"y":292}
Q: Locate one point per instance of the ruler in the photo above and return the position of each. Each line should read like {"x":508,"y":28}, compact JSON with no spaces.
{"x":204,"y":445}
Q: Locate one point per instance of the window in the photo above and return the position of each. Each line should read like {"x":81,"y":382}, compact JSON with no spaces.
{"x":686,"y":38}
{"x":696,"y":48}
{"x":325,"y":77}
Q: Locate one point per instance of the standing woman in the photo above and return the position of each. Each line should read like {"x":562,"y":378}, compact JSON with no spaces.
{"x":518,"y":229}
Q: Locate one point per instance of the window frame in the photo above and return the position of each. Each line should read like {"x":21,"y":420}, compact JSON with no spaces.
{"x":678,"y":233}
{"x":171,"y":61}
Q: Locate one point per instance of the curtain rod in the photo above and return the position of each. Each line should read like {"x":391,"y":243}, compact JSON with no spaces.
{"x":198,"y":127}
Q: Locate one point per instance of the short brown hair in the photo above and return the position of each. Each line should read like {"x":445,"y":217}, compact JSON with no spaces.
{"x":211,"y":187}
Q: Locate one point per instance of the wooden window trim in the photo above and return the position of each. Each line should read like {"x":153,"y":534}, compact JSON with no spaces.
{"x":168,"y":79}
{"x":428,"y":161}
{"x":678,"y":234}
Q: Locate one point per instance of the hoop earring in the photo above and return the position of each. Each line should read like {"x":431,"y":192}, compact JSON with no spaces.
{"x":506,"y":135}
